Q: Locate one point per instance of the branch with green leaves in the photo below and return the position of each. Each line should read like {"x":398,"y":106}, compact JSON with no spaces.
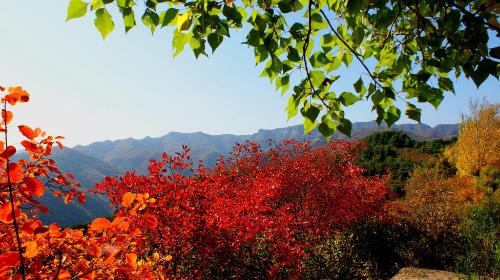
{"x":410,"y":51}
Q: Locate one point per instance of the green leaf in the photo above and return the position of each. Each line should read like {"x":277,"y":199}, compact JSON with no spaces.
{"x":292,"y":107}
{"x":354,"y":7}
{"x":151,"y":4}
{"x":484,"y":69}
{"x":345,"y":127}
{"x":128,"y":18}
{"x":103,"y":22}
{"x":310,"y":114}
{"x":358,"y":34}
{"x":348,"y":98}
{"x":76,"y":9}
{"x":359,"y":87}
{"x":179,"y":41}
{"x":183,"y":22}
{"x":96,"y":4}
{"x":392,"y":115}
{"x":150,"y":19}
{"x":214,"y":40}
{"x":168,"y":16}
{"x":446,"y":84}
{"x":317,"y":77}
{"x":327,"y":127}
{"x":293,"y":54}
{"x":413,"y":112}
{"x":198,"y":46}
{"x":125,"y":3}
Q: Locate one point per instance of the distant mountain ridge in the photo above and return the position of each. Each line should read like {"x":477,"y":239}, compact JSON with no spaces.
{"x":91,"y":163}
{"x":134,"y":154}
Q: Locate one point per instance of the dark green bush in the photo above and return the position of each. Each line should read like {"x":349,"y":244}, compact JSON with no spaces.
{"x":481,"y":232}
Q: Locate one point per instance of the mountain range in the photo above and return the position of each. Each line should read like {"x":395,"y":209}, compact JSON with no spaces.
{"x":91,"y":163}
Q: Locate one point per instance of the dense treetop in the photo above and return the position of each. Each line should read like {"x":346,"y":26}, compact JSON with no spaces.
{"x":407,"y":51}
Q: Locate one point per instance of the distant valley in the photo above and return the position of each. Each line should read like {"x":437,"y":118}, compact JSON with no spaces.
{"x":91,"y":163}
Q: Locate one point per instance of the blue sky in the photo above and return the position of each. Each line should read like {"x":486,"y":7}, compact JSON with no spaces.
{"x":129,"y":85}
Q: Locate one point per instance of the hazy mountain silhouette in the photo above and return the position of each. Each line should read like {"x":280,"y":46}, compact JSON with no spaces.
{"x":134,"y":154}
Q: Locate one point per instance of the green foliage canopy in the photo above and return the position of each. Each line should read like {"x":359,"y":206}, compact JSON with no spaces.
{"x":406,"y":50}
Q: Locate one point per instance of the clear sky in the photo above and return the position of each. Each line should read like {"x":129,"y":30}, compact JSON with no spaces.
{"x":129,"y":85}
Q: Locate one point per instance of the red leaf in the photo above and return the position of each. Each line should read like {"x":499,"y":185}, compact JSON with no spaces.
{"x":27,"y":131}
{"x":35,"y":186}
{"x":81,"y":198}
{"x":8,"y":152}
{"x":151,"y":221}
{"x":43,"y":209}
{"x":31,"y":226}
{"x":16,"y":172}
{"x":8,"y":260}
{"x":6,"y":212}
{"x":30,"y":147}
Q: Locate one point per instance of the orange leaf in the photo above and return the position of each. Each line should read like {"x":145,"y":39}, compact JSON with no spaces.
{"x":2,"y":146}
{"x":59,"y":144}
{"x":6,"y":212}
{"x":100,"y":224}
{"x":7,"y":116}
{"x":127,"y":199}
{"x":17,"y":94}
{"x":31,"y":249}
{"x":8,"y":152}
{"x":38,"y":131}
{"x":16,"y":172}
{"x":35,"y":186}
{"x":8,"y":260}
{"x":2,"y":88}
{"x":168,"y":258}
{"x":132,"y":261}
{"x":151,"y":221}
{"x":63,"y":274}
{"x":27,"y":131}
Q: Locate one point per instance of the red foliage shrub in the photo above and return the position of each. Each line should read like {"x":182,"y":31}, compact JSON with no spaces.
{"x":257,"y":212}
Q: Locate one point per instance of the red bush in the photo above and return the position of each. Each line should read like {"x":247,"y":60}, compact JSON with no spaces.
{"x":257,"y":212}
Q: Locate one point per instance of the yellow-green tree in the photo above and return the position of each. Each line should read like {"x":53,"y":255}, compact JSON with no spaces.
{"x":478,"y":142}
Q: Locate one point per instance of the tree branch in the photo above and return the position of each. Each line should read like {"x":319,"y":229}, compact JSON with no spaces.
{"x":304,"y":51}
{"x":358,"y":56}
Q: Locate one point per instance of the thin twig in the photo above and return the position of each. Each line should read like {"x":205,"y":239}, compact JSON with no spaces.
{"x":12,"y":201}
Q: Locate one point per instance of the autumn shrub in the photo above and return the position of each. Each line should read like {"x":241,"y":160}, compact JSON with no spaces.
{"x":257,"y":212}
